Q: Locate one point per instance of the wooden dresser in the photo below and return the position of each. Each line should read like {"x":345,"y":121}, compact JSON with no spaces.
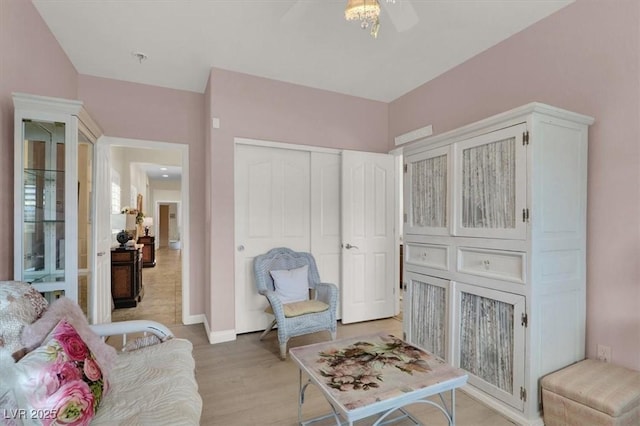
{"x":126,"y":276}
{"x":148,"y":251}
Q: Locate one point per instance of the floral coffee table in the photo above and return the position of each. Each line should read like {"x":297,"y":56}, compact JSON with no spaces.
{"x":378,"y":374}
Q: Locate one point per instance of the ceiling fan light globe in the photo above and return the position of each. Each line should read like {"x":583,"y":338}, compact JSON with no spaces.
{"x":362,"y":10}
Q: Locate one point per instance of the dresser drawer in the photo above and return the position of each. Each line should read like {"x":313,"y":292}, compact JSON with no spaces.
{"x":122,"y":256}
{"x":429,"y":255}
{"x":504,"y":265}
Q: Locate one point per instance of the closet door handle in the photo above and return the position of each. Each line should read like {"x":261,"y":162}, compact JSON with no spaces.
{"x":349,"y":246}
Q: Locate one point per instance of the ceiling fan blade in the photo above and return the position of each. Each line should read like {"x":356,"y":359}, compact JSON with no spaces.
{"x":402,"y":14}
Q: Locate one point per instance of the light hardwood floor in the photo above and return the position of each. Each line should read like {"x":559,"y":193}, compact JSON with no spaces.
{"x":244,"y":382}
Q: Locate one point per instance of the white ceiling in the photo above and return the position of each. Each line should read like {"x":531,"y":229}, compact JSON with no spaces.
{"x":161,"y":172}
{"x":306,"y":42}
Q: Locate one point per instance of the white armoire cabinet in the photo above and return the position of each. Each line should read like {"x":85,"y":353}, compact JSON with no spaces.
{"x":495,"y":242}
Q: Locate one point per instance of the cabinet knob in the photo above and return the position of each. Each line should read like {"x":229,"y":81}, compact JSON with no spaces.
{"x":240,"y":247}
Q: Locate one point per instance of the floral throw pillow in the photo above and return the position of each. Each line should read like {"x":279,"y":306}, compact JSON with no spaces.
{"x":60,"y":382}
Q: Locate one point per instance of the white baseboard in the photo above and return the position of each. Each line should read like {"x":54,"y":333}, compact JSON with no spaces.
{"x":489,"y":401}
{"x":222,"y":336}
{"x":218,"y":336}
{"x":193,"y":319}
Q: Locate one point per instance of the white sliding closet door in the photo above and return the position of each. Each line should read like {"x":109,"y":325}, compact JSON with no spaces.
{"x":295,"y":198}
{"x":325,"y":217}
{"x":272,"y":209}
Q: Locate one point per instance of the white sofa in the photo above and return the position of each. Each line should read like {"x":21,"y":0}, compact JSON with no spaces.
{"x":153,"y":385}
{"x":150,"y":381}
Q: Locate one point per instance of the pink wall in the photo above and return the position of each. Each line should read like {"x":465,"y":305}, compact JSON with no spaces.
{"x":584,"y":58}
{"x":137,"y":111}
{"x":31,"y":61}
{"x":253,"y":107}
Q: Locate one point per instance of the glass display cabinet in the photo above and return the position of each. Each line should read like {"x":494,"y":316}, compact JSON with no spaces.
{"x":52,"y":195}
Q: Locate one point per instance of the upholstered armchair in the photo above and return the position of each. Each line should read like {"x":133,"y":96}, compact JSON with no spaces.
{"x":300,"y":303}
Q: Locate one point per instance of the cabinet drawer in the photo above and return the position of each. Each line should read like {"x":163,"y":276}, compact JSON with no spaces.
{"x":429,"y":255}
{"x":122,"y":256}
{"x":504,"y":265}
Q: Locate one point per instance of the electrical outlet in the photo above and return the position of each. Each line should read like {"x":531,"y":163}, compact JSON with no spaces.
{"x":603,"y":353}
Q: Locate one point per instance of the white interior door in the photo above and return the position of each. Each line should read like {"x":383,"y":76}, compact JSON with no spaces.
{"x":368,"y":255}
{"x":100,"y":303}
{"x":271,"y":210}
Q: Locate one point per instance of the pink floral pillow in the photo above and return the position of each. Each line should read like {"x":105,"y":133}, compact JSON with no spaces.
{"x":60,"y":381}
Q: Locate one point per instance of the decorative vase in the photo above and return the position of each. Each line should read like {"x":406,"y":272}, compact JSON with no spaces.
{"x":122,"y":237}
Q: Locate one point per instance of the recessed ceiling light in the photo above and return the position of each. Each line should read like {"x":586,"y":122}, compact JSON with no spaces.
{"x":165,"y":175}
{"x":163,"y":168}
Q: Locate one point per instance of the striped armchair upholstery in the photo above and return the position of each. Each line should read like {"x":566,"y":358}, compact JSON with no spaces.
{"x":298,"y":318}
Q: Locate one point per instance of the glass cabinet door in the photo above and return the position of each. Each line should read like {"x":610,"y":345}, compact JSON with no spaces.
{"x":491,"y":185}
{"x":427,"y":193}
{"x":43,"y":195}
{"x":85,"y":222}
{"x":46,"y":191}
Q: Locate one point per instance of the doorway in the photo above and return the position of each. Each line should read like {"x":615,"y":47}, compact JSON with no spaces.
{"x":169,"y":221}
{"x":160,"y":153}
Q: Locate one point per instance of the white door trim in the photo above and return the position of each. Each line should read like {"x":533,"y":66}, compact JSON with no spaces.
{"x":283,"y":145}
{"x":187,"y":318}
{"x":399,"y":222}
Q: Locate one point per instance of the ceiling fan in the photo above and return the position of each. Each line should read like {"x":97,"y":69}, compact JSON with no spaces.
{"x":367,"y":12}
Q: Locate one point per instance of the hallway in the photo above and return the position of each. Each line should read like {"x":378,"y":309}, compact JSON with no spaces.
{"x":162,"y":299}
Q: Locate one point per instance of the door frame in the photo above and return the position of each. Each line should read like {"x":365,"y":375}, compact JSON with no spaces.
{"x":109,"y":141}
{"x":398,"y":154}
{"x":156,"y":212}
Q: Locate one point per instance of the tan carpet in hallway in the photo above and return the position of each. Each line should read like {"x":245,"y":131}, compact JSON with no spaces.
{"x":162,"y":300}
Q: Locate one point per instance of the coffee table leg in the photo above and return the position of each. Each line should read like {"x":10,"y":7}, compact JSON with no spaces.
{"x":453,"y":407}
{"x":450,"y":413}
{"x":299,"y":396}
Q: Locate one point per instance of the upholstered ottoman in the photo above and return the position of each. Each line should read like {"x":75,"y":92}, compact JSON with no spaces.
{"x":591,"y":393}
